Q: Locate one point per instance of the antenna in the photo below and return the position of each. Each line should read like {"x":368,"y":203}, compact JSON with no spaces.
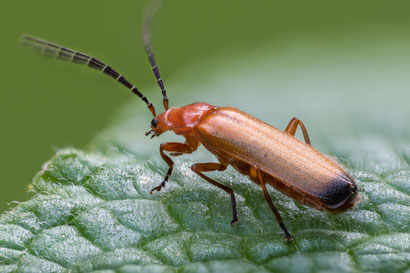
{"x":67,"y":54}
{"x":146,"y":37}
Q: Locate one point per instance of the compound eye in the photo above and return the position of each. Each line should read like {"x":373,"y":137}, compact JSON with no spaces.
{"x":154,"y":123}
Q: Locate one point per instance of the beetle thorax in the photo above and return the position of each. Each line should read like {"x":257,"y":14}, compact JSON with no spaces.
{"x":182,"y":120}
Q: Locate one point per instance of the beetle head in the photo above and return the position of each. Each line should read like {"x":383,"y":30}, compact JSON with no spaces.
{"x":158,"y":125}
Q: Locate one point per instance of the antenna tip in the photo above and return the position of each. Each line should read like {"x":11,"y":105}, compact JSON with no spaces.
{"x":25,"y":38}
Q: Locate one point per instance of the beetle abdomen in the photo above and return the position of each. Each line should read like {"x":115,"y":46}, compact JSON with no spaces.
{"x":237,"y":136}
{"x":338,"y":197}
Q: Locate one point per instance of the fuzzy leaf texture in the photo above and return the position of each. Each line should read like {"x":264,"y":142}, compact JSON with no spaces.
{"x":92,"y":211}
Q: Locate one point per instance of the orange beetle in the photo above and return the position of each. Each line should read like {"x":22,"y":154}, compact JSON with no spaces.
{"x":256,"y":149}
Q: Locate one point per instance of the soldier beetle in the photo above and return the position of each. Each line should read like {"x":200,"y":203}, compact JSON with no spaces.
{"x":256,"y":149}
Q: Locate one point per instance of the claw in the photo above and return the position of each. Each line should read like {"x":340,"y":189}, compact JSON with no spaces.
{"x":288,"y":237}
{"x":158,"y":188}
{"x":234,"y":221}
{"x":155,"y":189}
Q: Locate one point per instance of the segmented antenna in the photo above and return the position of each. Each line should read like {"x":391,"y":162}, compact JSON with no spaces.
{"x":67,"y":54}
{"x":146,"y":37}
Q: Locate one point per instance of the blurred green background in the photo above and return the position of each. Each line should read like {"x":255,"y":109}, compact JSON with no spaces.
{"x":47,"y":104}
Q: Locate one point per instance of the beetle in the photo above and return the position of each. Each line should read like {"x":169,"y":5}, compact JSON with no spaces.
{"x":256,"y":149}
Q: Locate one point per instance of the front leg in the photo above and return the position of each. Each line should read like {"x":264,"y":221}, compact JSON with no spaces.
{"x":176,"y":149}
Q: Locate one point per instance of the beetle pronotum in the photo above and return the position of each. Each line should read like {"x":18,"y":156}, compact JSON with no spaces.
{"x":256,"y":149}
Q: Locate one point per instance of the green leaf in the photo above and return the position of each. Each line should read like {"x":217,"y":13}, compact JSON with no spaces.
{"x":92,"y":211}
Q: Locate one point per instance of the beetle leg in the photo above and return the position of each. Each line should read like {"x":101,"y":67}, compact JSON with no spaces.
{"x":293,"y":125}
{"x":176,"y":148}
{"x":198,"y":168}
{"x":269,"y":200}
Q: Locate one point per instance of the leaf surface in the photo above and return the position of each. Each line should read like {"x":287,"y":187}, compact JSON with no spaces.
{"x":92,"y":211}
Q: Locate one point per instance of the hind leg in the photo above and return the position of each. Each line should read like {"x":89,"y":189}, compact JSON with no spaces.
{"x":293,"y":125}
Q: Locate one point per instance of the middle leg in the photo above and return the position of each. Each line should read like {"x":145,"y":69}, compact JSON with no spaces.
{"x":199,"y":168}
